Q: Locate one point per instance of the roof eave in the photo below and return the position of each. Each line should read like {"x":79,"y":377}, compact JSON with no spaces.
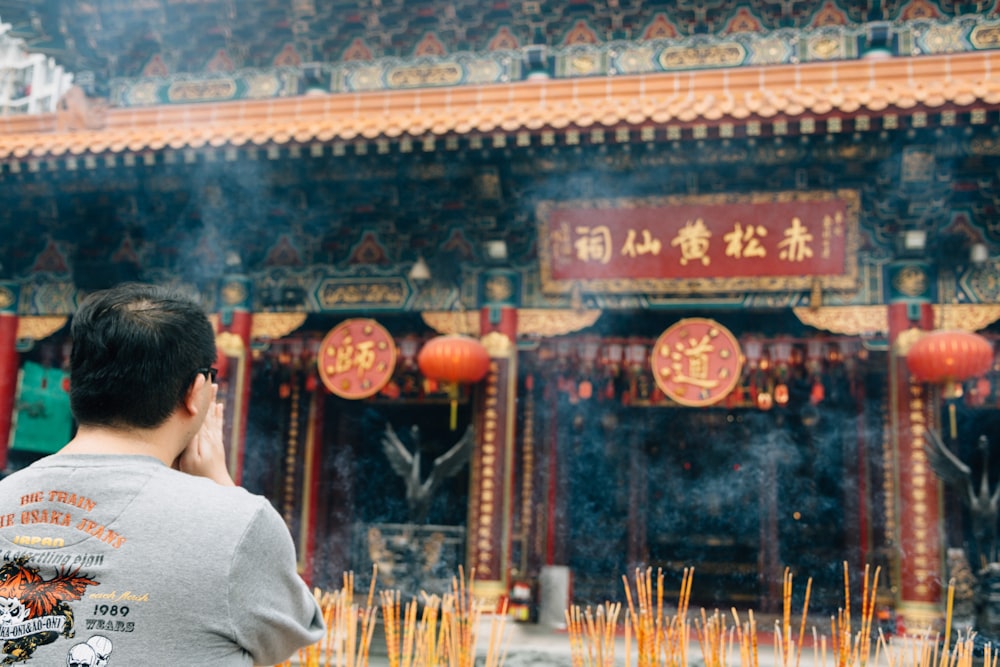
{"x":738,"y":96}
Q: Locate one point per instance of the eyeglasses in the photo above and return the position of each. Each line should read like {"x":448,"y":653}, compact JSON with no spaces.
{"x":209,"y":373}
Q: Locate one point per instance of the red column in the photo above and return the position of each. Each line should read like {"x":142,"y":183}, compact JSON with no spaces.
{"x":919,"y":557}
{"x":491,"y":484}
{"x":311,"y":479}
{"x":233,"y":343}
{"x":9,"y":366}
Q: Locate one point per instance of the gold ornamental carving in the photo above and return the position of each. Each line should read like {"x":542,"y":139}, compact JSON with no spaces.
{"x":860,"y":320}
{"x":445,"y":74}
{"x":233,"y":293}
{"x":498,"y":345}
{"x":499,"y":288}
{"x":905,"y":340}
{"x":720,"y":55}
{"x":544,"y":322}
{"x":965,"y":316}
{"x":452,"y":321}
{"x":348,"y":294}
{"x":547,"y":323}
{"x":229,"y":344}
{"x":985,"y":37}
{"x":272,"y":326}
{"x":847,"y":320}
{"x":201,"y":91}
{"x":38,"y":328}
{"x":910,"y":281}
{"x":7,"y":297}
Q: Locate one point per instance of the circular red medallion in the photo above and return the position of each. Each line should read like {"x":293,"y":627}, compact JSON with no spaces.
{"x":697,"y":362}
{"x":356,"y":359}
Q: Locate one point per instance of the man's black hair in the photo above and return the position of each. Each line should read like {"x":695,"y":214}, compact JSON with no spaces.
{"x":136,"y":350}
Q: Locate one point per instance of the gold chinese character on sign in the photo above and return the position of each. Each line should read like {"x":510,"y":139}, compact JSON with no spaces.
{"x":795,"y":247}
{"x":693,"y":241}
{"x":689,"y":362}
{"x":833,"y":226}
{"x":647,"y":246}
{"x":593,"y":244}
{"x":742,"y":242}
{"x":360,"y":357}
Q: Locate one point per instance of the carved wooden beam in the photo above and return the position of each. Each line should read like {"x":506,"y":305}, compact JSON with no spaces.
{"x":543,"y":322}
{"x":874,"y":320}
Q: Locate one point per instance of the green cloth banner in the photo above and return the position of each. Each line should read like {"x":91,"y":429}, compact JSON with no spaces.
{"x":43,"y":421}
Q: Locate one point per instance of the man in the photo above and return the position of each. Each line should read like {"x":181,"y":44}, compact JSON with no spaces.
{"x":133,"y":543}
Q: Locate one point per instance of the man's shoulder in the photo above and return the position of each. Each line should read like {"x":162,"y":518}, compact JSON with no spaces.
{"x":202,"y":489}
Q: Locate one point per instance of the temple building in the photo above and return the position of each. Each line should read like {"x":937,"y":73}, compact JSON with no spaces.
{"x":692,"y":244}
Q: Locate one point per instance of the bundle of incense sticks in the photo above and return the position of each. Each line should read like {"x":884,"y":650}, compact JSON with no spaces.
{"x":349,"y":629}
{"x":461,"y":614}
{"x":661,"y":639}
{"x":443,"y":634}
{"x":785,"y":646}
{"x":447,"y":632}
{"x":600,"y":628}
{"x":852,"y":648}
{"x":714,"y":637}
{"x":928,"y":651}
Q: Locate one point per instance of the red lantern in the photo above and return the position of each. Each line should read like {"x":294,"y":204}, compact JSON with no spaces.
{"x":454,"y":359}
{"x":949,"y":356}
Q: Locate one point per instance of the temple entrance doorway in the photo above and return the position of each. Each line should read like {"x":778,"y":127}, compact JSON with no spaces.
{"x":736,"y":494}
{"x":403,"y":479}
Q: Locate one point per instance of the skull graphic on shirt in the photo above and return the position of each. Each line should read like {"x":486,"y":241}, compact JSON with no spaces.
{"x":12,"y":610}
{"x":95,"y":652}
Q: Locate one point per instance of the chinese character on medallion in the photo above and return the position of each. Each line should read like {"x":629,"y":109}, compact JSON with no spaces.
{"x":697,"y":362}
{"x":357,"y":358}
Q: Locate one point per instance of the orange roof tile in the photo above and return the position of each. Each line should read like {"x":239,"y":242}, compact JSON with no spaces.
{"x":705,"y":96}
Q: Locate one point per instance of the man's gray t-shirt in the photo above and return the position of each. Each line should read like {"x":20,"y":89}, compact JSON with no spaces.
{"x":121,"y":560}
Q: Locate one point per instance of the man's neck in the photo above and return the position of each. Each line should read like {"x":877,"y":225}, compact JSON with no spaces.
{"x":105,"y":440}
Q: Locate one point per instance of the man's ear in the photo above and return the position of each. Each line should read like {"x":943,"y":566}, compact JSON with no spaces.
{"x":191,"y":396}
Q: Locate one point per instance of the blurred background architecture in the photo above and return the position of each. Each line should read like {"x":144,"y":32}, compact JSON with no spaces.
{"x":696,"y":240}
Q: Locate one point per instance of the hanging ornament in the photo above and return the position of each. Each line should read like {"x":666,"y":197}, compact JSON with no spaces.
{"x":817,"y":393}
{"x":979,"y":391}
{"x":950,"y":357}
{"x":355,"y":360}
{"x":454,"y":359}
{"x":753,"y":349}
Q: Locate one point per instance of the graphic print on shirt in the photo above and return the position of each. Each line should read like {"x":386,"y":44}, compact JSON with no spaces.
{"x":35,"y":611}
{"x":95,"y":652}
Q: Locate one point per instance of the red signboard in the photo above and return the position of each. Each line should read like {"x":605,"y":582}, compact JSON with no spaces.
{"x":357,"y":358}
{"x":775,"y":241}
{"x":697,"y":362}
